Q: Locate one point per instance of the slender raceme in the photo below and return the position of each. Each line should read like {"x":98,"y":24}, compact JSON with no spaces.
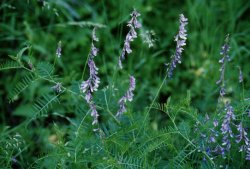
{"x":127,"y":97}
{"x":133,"y":24}
{"x":92,"y":84}
{"x":180,"y":39}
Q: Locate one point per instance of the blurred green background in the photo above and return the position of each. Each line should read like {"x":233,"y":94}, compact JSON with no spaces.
{"x":41,"y":24}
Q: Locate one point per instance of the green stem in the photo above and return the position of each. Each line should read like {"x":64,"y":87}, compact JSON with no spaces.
{"x":117,"y":121}
{"x":151,"y":105}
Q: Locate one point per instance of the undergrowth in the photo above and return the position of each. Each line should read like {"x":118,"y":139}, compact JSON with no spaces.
{"x":99,"y":95}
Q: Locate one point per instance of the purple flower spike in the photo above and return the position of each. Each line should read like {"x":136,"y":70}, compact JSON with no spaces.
{"x":180,"y":39}
{"x":226,"y":127}
{"x":225,"y":58}
{"x":92,"y":84}
{"x":132,"y":24}
{"x":127,"y":97}
{"x":242,"y":136}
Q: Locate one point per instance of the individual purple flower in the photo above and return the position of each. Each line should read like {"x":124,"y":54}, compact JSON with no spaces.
{"x":92,"y":84}
{"x":213,"y":135}
{"x":180,"y":39}
{"x":122,"y":107}
{"x":131,"y":35}
{"x":57,"y":88}
{"x":94,"y":114}
{"x":59,"y":49}
{"x":219,"y":150}
{"x":242,"y":137}
{"x":225,"y":58}
{"x":222,"y":91}
{"x":215,"y":123}
{"x":226,"y":130}
{"x":127,"y":97}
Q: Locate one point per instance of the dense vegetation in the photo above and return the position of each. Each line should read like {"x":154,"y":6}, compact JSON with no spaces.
{"x":124,"y":84}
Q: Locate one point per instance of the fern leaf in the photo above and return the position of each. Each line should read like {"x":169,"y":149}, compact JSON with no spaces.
{"x":152,"y":146}
{"x":179,"y":161}
{"x":43,"y":104}
{"x":129,"y":162}
{"x":21,"y":86}
{"x":159,"y":107}
{"x":9,"y":65}
{"x":45,"y":70}
{"x":20,"y":53}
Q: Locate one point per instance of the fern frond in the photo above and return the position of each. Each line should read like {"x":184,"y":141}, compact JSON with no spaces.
{"x":22,"y":85}
{"x":45,"y":70}
{"x":9,"y":65}
{"x":160,"y":107}
{"x":21,"y":52}
{"x":184,"y":128}
{"x":152,"y":146}
{"x":169,"y":130}
{"x":129,"y":162}
{"x":179,"y":161}
{"x":171,"y":111}
{"x":43,"y":103}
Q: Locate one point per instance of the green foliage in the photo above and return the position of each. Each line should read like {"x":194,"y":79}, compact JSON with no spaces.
{"x":45,"y":70}
{"x":21,"y":86}
{"x":165,"y":126}
{"x":6,"y":65}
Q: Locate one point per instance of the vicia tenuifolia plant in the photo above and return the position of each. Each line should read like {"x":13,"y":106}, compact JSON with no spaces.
{"x":92,"y":84}
{"x":133,"y":24}
{"x":180,"y":39}
{"x":222,"y":136}
{"x":225,"y":58}
{"x":126,"y":134}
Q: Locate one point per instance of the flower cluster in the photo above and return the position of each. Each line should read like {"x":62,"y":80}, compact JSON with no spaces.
{"x":242,"y":136}
{"x":209,"y":137}
{"x":180,"y":39}
{"x":58,"y":87}
{"x":226,"y":130}
{"x":214,"y":133}
{"x":127,"y":97}
{"x":132,"y":24}
{"x":92,"y":84}
{"x":225,"y":58}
